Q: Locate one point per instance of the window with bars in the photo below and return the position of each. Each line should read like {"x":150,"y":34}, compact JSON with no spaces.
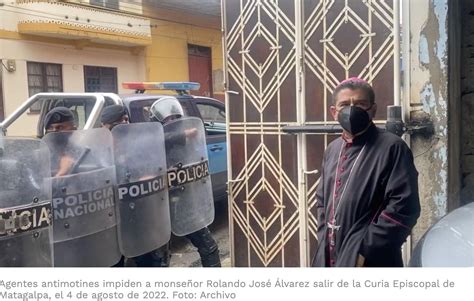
{"x":100,"y":79}
{"x":112,"y":4}
{"x":43,"y":77}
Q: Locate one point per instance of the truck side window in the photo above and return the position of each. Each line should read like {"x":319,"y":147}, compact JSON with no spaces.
{"x":210,"y":113}
{"x":213,"y":117}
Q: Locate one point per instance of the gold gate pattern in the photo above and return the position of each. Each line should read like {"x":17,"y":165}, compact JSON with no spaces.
{"x":283,"y":59}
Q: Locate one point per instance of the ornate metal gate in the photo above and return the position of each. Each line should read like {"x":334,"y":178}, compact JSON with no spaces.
{"x":283,"y":59}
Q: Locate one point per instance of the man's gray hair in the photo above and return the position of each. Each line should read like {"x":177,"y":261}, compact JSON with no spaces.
{"x":355,"y":83}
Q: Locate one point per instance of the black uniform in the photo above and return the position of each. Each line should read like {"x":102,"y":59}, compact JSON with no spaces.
{"x":201,"y":239}
{"x":367,"y":201}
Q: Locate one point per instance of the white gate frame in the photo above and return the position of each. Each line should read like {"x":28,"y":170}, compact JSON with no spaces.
{"x":302,"y":167}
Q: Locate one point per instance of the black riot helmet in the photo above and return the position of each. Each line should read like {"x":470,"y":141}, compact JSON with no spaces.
{"x":166,"y":109}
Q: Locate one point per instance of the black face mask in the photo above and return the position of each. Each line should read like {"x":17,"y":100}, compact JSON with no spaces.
{"x":61,"y":140}
{"x":354,"y":119}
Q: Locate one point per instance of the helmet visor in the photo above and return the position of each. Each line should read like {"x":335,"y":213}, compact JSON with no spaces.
{"x":166,"y":107}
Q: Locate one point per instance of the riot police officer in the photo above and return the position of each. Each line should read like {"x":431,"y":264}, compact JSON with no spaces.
{"x":114,"y":115}
{"x":165,"y":110}
{"x":85,"y":226}
{"x":60,"y":119}
{"x":144,"y":214}
{"x":25,"y":203}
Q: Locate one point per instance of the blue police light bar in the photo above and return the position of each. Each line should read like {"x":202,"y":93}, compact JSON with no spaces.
{"x":178,"y":86}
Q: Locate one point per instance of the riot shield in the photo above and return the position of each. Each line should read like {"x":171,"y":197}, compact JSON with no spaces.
{"x":83,"y":188}
{"x":189,"y":181}
{"x":142,"y":196}
{"x":25,"y":204}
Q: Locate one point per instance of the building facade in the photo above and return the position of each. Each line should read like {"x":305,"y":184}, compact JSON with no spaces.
{"x":95,"y":45}
{"x":283,"y":61}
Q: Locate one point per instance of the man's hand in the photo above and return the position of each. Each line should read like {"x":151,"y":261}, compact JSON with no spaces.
{"x":191,"y":133}
{"x":360,"y":261}
{"x":144,"y":178}
{"x":65,"y":165}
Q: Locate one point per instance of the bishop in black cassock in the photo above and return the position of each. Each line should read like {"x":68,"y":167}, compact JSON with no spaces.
{"x":367,"y":198}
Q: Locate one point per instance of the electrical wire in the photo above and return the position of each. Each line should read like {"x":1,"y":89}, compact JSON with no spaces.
{"x":187,"y":38}
{"x":435,"y":140}
{"x":81,"y":23}
{"x":138,"y":13}
{"x":65,"y":17}
{"x":153,"y":4}
{"x":58,"y":17}
{"x":136,"y":7}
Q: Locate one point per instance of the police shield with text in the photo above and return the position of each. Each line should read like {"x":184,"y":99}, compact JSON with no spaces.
{"x":142,"y":199}
{"x":191,"y":203}
{"x":25,"y":204}
{"x":83,"y":187}
{"x":191,"y":199}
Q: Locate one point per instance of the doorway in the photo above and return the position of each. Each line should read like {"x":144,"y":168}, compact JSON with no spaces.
{"x":200,"y":69}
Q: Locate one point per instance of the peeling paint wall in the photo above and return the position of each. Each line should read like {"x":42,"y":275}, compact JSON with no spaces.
{"x":429,"y":100}
{"x":467,"y":101}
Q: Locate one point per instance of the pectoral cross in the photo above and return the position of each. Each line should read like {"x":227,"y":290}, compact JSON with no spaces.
{"x":333,"y":227}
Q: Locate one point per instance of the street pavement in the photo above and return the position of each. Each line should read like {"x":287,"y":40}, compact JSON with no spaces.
{"x":184,"y":254}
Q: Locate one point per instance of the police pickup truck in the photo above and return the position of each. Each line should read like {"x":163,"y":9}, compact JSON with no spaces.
{"x":88,"y":107}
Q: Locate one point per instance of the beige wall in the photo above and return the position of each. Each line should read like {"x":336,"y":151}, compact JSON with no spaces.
{"x":167,"y":57}
{"x":130,"y":67}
